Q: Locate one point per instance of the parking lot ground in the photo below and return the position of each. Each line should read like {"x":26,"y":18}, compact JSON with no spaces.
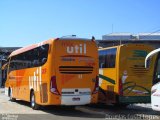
{"x":21,"y":110}
{"x":134,"y":111}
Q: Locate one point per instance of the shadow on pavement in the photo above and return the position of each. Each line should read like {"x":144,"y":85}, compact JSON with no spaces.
{"x":68,"y":111}
{"x":131,"y":111}
{"x":110,"y":111}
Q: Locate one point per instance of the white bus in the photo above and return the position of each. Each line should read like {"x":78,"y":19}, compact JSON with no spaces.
{"x":155,"y":90}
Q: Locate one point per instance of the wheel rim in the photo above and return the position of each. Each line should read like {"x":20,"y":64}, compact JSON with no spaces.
{"x":32,"y":101}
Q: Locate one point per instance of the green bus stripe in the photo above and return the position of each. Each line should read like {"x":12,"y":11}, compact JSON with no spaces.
{"x":107,"y":79}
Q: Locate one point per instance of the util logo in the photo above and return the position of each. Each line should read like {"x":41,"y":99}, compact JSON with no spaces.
{"x":81,"y":48}
{"x":35,"y":80}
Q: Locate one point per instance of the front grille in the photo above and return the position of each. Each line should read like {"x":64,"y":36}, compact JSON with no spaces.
{"x":76,"y":69}
{"x":64,"y":93}
{"x":75,"y":91}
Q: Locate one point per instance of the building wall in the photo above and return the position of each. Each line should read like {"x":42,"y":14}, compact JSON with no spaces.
{"x":106,"y":43}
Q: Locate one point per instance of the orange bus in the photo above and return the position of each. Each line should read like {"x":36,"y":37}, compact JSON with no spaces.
{"x":61,"y":71}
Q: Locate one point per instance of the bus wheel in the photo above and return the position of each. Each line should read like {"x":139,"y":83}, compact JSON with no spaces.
{"x":11,"y":96}
{"x":34,"y":105}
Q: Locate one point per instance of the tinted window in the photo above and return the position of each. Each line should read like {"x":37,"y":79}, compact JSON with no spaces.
{"x":107,"y":58}
{"x":32,"y":58}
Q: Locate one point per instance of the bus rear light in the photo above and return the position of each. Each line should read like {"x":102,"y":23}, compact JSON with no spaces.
{"x":96,"y":88}
{"x":120,"y":87}
{"x":54,"y":86}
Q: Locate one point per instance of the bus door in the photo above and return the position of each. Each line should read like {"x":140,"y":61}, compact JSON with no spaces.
{"x":155,"y":97}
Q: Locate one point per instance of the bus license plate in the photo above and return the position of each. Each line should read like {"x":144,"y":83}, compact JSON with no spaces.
{"x":76,"y":99}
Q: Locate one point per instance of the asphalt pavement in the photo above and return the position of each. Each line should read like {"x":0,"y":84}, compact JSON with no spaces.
{"x":21,"y":110}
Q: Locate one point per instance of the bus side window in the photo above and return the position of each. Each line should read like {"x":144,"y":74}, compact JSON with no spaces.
{"x":29,"y":59}
{"x":11,"y":65}
{"x":44,"y":60}
{"x":110,"y":58}
{"x":107,"y":58}
{"x":101,"y":59}
{"x":43,"y":54}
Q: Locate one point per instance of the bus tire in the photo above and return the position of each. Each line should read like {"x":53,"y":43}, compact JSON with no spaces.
{"x":33,"y":103}
{"x":11,"y":96}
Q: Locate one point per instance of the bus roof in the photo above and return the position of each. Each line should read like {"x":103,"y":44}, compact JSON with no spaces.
{"x":123,"y":45}
{"x":24,"y":49}
{"x":110,"y":47}
{"x":72,"y":38}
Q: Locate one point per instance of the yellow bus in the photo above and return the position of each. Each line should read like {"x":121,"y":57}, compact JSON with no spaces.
{"x":123,"y":78}
{"x":61,"y":71}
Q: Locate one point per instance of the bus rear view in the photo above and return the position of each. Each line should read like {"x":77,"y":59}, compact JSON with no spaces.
{"x":123,"y":77}
{"x":74,"y":72}
{"x":135,"y":81}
